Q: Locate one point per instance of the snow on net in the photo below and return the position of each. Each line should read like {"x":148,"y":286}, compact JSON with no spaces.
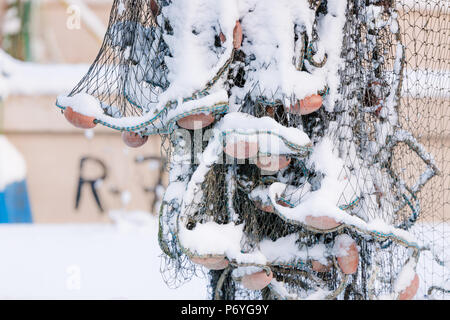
{"x":307,"y":140}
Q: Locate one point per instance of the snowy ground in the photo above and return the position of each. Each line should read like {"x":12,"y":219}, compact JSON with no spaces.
{"x":121,"y":261}
{"x":118,"y":261}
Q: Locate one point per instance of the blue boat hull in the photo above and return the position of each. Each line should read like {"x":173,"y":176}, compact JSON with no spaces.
{"x":14,"y":204}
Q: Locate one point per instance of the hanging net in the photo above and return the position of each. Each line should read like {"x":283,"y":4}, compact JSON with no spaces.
{"x":307,"y":140}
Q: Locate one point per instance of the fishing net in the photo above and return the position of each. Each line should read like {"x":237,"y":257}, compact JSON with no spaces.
{"x":307,"y":140}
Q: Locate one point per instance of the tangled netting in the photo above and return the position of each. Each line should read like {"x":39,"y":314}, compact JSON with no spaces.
{"x":307,"y":140}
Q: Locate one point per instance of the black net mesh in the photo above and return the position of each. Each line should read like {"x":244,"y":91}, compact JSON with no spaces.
{"x":384,"y":91}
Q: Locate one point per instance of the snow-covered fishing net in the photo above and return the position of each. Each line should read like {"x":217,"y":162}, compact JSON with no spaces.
{"x":307,"y":140}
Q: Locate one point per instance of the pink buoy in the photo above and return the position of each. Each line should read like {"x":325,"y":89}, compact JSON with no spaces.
{"x":319,"y":267}
{"x":222,"y":37}
{"x":79,"y":120}
{"x":411,"y":290}
{"x":241,"y":149}
{"x":237,"y":35}
{"x":196,"y":121}
{"x":133,"y":140}
{"x":257,"y":280}
{"x":264,"y":207}
{"x":347,"y":254}
{"x":307,"y":105}
{"x":154,"y":8}
{"x":213,"y":263}
{"x":270,"y":208}
{"x":273,"y":163}
{"x":321,"y":223}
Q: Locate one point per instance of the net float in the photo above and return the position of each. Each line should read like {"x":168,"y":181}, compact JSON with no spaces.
{"x":307,"y":105}
{"x":133,"y":140}
{"x":79,"y":120}
{"x":257,"y":280}
{"x":321,"y":223}
{"x":411,"y":290}
{"x":212,"y":263}
{"x":283,"y":204}
{"x":222,"y":37}
{"x":270,"y":111}
{"x":347,"y":254}
{"x":237,"y":35}
{"x":270,"y":208}
{"x":372,"y":96}
{"x":154,"y":7}
{"x":196,"y":121}
{"x":273,"y":163}
{"x":320,"y":267}
{"x":264,"y":207}
{"x":241,"y":149}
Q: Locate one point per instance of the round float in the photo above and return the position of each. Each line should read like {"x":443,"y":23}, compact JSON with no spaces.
{"x":257,"y":280}
{"x":273,"y":163}
{"x":321,"y":223}
{"x":307,"y":105}
{"x":154,"y":7}
{"x":347,"y":254}
{"x":79,"y":120}
{"x":320,"y":267}
{"x":241,"y":149}
{"x":264,"y":207}
{"x":411,"y":290}
{"x":237,"y":35}
{"x":212,"y":263}
{"x":133,"y":140}
{"x":196,"y":121}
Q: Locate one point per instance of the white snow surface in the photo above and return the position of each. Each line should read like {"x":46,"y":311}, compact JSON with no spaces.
{"x":28,"y":78}
{"x":88,"y":261}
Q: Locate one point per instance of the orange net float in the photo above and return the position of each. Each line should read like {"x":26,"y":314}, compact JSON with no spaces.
{"x":372,"y":96}
{"x":264,"y":207}
{"x":320,"y":267}
{"x":242,"y":149}
{"x":196,"y":121}
{"x":79,"y":120}
{"x":154,"y":7}
{"x":237,"y":35}
{"x":348,"y":262}
{"x":212,"y":263}
{"x":273,"y":163}
{"x":257,"y":280}
{"x":133,"y":140}
{"x":270,"y":208}
{"x":411,"y":290}
{"x":307,"y":105}
{"x":222,"y":37}
{"x":321,"y":223}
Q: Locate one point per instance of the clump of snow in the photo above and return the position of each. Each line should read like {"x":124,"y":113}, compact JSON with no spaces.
{"x":268,"y":132}
{"x":194,"y":24}
{"x":218,"y":239}
{"x":212,"y":238}
{"x":243,"y":271}
{"x":82,"y":103}
{"x":342,"y":244}
{"x":325,"y":200}
{"x":406,"y":276}
{"x":285,"y":249}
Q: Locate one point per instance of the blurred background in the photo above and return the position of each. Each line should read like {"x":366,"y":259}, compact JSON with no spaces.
{"x":86,"y":203}
{"x":48,"y":47}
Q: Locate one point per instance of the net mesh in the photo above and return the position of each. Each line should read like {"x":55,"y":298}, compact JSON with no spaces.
{"x":385,"y":112}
